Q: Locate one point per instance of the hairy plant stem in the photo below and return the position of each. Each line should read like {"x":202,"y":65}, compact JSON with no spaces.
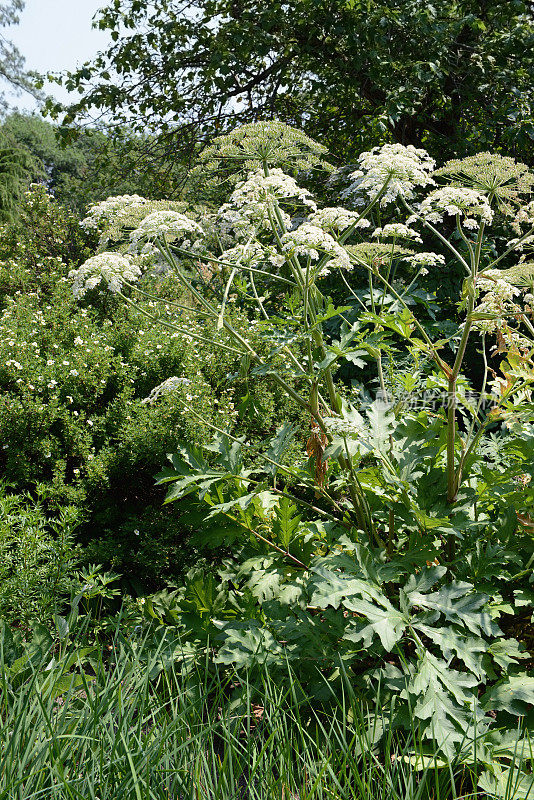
{"x":310,"y":298}
{"x":164,"y":249}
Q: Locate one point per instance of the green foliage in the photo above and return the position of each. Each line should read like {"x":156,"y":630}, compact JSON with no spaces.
{"x":454,"y":76}
{"x":385,"y":555}
{"x":141,"y":730}
{"x":73,"y":416}
{"x":337,"y":540}
{"x":86,"y":170}
{"x":13,"y":163}
{"x":38,"y":556}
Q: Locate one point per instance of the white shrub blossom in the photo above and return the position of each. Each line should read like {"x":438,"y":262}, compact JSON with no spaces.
{"x":312,"y":242}
{"x":406,"y":168}
{"x":170,"y":224}
{"x":337,"y":219}
{"x":469,"y":204}
{"x":110,"y":268}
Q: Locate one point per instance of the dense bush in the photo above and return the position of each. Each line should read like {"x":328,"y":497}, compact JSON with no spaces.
{"x":38,"y":558}
{"x":74,"y":420}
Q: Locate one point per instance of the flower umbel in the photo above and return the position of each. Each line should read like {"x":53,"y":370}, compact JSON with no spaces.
{"x":112,"y":269}
{"x":170,"y":224}
{"x":469,"y":204}
{"x":405,"y":167}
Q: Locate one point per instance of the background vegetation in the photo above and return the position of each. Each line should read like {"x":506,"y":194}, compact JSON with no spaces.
{"x":313,"y":613}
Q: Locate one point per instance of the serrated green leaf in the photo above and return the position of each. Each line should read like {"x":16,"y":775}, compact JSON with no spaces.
{"x":278,"y":446}
{"x":247,"y":644}
{"x":286,"y":524}
{"x":468,"y":649}
{"x":510,"y":694}
{"x":388,"y":623}
{"x":458,"y":603}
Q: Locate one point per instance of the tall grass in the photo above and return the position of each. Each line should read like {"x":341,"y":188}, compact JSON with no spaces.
{"x":114,"y":733}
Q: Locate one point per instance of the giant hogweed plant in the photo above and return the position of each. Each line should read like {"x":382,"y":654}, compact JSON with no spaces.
{"x":353,"y":562}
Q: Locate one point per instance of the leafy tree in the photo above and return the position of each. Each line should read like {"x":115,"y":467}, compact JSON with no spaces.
{"x":11,"y":59}
{"x":13,"y":171}
{"x":454,"y":76}
{"x":85,"y":170}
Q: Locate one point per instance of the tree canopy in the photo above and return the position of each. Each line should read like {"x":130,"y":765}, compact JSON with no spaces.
{"x":12,"y":70}
{"x":454,"y":76}
{"x":81,"y":172}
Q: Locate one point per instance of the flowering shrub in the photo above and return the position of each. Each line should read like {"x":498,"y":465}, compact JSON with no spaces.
{"x":364,"y":557}
{"x":74,"y":420}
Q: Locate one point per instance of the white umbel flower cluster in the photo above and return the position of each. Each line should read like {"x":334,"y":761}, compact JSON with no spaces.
{"x":406,"y":167}
{"x":492,"y":281}
{"x":396,"y":230}
{"x":167,"y":387}
{"x":469,"y":204}
{"x":422,"y":261}
{"x":338,"y":426}
{"x":524,"y":216}
{"x":109,"y":209}
{"x":111,"y":268}
{"x":251,"y":254}
{"x":313,"y":242}
{"x":258,"y":187}
{"x":500,"y":303}
{"x":244,"y":222}
{"x":337,"y":219}
{"x":170,"y":224}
